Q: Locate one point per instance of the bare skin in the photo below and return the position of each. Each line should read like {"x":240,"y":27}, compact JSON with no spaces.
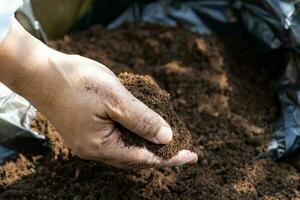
{"x":83,"y":99}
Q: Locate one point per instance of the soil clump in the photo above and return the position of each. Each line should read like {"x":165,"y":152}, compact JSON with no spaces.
{"x":146,"y":90}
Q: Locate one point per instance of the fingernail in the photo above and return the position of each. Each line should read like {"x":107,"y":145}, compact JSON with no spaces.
{"x":164,"y":135}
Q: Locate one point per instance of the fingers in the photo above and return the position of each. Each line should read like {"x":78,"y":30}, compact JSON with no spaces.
{"x":139,"y":118}
{"x":132,"y":157}
{"x":183,"y":157}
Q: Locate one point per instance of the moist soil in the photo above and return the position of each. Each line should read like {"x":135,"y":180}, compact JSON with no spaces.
{"x":145,"y":89}
{"x":219,"y":88}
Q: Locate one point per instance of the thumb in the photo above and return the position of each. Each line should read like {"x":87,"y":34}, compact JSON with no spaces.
{"x":139,"y":118}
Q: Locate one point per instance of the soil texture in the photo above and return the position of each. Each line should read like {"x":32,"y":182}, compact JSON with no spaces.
{"x":145,"y":89}
{"x":220,"y":89}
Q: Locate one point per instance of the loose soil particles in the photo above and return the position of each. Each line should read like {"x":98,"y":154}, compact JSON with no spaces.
{"x":217,"y":86}
{"x":145,"y":89}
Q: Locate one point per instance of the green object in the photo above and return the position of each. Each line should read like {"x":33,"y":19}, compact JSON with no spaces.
{"x":58,"y":16}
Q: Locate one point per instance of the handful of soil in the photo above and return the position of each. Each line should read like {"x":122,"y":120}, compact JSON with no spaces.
{"x":146,"y":90}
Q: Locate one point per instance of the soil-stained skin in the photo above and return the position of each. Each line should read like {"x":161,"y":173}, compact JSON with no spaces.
{"x":217,"y":86}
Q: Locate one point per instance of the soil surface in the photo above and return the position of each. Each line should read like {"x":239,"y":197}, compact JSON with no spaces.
{"x":218,"y":87}
{"x":145,"y":89}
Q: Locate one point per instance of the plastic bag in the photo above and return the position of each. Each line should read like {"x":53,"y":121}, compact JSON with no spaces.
{"x":16,"y":114}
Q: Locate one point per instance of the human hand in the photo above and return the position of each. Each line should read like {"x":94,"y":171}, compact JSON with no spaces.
{"x":83,"y":100}
{"x":88,"y":102}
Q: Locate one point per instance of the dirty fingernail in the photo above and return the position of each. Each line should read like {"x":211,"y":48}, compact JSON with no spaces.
{"x":164,"y":135}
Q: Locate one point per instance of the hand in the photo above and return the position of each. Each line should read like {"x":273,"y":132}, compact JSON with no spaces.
{"x":89,"y":100}
{"x":83,"y":100}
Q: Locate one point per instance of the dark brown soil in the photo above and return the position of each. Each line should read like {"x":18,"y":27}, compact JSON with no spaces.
{"x":219,"y":89}
{"x":145,"y":89}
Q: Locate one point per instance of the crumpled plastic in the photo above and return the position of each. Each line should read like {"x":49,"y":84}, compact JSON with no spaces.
{"x":275,"y":24}
{"x":16,"y":114}
{"x":169,"y":12}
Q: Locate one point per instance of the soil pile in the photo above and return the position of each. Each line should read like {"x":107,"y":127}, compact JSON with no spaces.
{"x":217,"y":86}
{"x":145,"y":89}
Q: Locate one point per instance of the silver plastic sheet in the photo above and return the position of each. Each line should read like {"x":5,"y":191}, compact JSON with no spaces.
{"x":16,"y":115}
